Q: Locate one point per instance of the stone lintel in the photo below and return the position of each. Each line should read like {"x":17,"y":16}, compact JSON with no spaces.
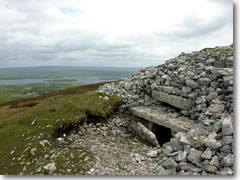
{"x":176,"y":101}
{"x":159,"y":115}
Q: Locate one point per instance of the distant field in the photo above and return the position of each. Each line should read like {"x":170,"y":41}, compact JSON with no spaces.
{"x":61,"y":80}
{"x":15,"y":92}
{"x":61,"y":72}
{"x":21,"y":83}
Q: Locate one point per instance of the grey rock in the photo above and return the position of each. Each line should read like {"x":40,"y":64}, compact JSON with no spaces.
{"x":186,"y":89}
{"x":185,"y":166}
{"x":43,"y":142}
{"x":106,"y":98}
{"x":227,"y":139}
{"x":33,"y":151}
{"x":217,"y":126}
{"x":167,"y":150}
{"x":226,"y":148}
{"x":205,"y":162}
{"x":173,"y":154}
{"x":173,"y":100}
{"x":227,"y":161}
{"x":50,"y":168}
{"x":216,"y":108}
{"x":144,"y":133}
{"x":210,"y":169}
{"x":184,"y":140}
{"x":161,"y":171}
{"x":214,"y":161}
{"x":221,"y":155}
{"x":166,"y":89}
{"x":207,"y":154}
{"x":204,"y":81}
{"x":194,"y":156}
{"x":196,"y":170}
{"x":193,"y":95}
{"x":183,"y":173}
{"x":159,"y":115}
{"x":201,"y":107}
{"x":38,"y":170}
{"x":211,"y":142}
{"x":169,"y":163}
{"x":201,"y":99}
{"x":92,"y":170}
{"x":191,"y":83}
{"x":152,"y":154}
{"x":182,"y":156}
{"x":225,"y":171}
{"x":211,"y":96}
{"x":227,"y":126}
{"x":210,"y":61}
{"x":204,"y":173}
{"x":190,"y":73}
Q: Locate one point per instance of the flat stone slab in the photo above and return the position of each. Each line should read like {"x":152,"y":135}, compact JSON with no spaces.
{"x":176,"y":101}
{"x":160,"y":115}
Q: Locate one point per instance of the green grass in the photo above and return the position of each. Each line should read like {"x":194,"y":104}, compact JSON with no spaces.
{"x":219,"y":50}
{"x":15,"y":92}
{"x":146,"y":142}
{"x":53,"y":114}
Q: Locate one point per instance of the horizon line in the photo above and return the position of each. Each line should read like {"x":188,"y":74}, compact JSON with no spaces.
{"x":76,"y":66}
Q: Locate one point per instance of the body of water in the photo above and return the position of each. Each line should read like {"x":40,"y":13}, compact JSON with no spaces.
{"x":87,"y":80}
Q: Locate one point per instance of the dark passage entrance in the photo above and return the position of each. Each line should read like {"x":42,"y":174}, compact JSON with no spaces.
{"x":162,"y":133}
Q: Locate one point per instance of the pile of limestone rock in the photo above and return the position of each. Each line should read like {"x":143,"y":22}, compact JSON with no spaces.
{"x":200,"y":86}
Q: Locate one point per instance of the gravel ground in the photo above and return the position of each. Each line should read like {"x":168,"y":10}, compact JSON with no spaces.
{"x":115,"y":150}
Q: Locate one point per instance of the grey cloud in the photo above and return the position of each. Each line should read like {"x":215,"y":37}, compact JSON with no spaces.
{"x":194,"y":26}
{"x":223,"y":2}
{"x":110,"y":54}
{"x":197,"y":27}
{"x":30,"y":36}
{"x":70,"y":45}
{"x":105,"y":46}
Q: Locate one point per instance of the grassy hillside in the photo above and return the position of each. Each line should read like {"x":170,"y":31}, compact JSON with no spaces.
{"x":29,"y":128}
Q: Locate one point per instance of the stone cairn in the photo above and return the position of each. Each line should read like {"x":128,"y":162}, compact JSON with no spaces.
{"x":199,"y":85}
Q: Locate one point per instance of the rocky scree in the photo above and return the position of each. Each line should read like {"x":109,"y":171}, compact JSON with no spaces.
{"x":198,"y":85}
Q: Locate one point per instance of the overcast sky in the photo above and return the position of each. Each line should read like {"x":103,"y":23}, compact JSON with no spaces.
{"x":125,"y":33}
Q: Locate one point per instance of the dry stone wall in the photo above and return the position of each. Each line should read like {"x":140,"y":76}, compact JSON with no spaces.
{"x":200,"y":86}
{"x":199,"y":83}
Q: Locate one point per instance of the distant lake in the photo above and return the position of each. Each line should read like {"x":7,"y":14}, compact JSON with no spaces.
{"x":85,"y":80}
{"x":63,"y":74}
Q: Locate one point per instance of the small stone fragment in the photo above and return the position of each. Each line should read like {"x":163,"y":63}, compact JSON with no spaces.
{"x":169,"y":163}
{"x":227,"y":127}
{"x":50,"y":168}
{"x":211,"y":142}
{"x":209,"y":168}
{"x":184,"y":140}
{"x":214,"y":161}
{"x":152,"y":154}
{"x":194,"y":156}
{"x":32,"y":151}
{"x":161,"y":171}
{"x":207,"y":154}
{"x":227,"y":161}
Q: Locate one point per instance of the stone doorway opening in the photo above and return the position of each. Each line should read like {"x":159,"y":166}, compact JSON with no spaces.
{"x":162,"y":133}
